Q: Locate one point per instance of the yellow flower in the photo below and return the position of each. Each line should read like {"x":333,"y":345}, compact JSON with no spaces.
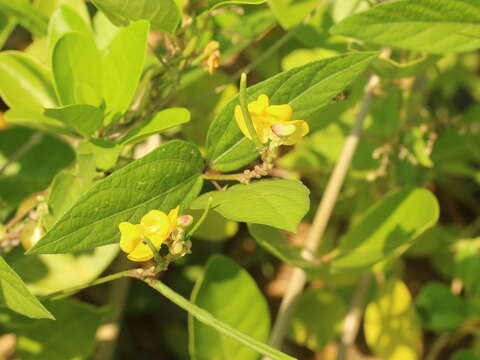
{"x":155,"y":225}
{"x":265,"y":116}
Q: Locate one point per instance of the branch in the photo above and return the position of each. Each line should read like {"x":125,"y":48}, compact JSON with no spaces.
{"x":322,"y":217}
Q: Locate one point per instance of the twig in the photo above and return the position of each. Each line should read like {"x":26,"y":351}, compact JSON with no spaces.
{"x":351,"y":323}
{"x":324,"y":211}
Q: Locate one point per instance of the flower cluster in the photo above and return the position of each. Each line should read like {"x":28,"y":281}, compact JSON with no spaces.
{"x":159,"y":228}
{"x":272,"y":122}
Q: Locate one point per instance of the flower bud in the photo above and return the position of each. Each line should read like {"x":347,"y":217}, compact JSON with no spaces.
{"x":177,"y":248}
{"x":185,"y":220}
{"x":282,"y":129}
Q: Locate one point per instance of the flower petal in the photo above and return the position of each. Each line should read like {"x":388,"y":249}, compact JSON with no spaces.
{"x":280,"y":112}
{"x":259,"y":106}
{"x":173,"y":217}
{"x":301,"y":129}
{"x":141,"y":253}
{"x":131,"y":236}
{"x":241,"y":122}
{"x":156,"y":222}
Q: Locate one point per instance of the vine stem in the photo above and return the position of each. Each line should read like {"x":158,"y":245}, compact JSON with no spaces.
{"x":322,"y":217}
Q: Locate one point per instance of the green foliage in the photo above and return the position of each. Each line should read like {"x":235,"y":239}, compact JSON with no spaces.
{"x":278,"y":203}
{"x":247,"y":311}
{"x":435,"y":26}
{"x":164,"y":178}
{"x":387,"y":229}
{"x":15,"y":295}
{"x":306,"y":89}
{"x":25,"y":14}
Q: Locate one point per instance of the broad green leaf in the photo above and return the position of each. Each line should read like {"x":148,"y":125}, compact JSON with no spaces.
{"x":306,"y":89}
{"x":278,"y":203}
{"x":48,"y":7}
{"x":213,"y":4}
{"x":215,"y":227}
{"x":77,"y":70}
{"x":163,"y":179}
{"x":387,"y":229}
{"x":164,"y":15}
{"x":26,"y":15}
{"x":25,"y":84}
{"x":105,"y":152}
{"x":35,"y":169}
{"x":435,"y":26}
{"x":161,"y":121}
{"x":46,"y":274}
{"x":122,"y":66}
{"x":439,"y":308}
{"x":229,"y":293}
{"x":291,"y":12}
{"x":84,"y":119}
{"x":65,"y":19}
{"x":105,"y":31}
{"x":71,"y":336}
{"x":7,"y":24}
{"x":391,"y":326}
{"x":317,"y":319}
{"x":467,"y":265}
{"x":15,"y":295}
{"x":275,"y":242}
{"x":37,"y":120}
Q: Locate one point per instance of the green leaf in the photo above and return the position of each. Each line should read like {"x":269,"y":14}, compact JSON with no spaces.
{"x":35,"y":119}
{"x":291,"y":12}
{"x":46,"y":274}
{"x":306,"y":89}
{"x":77,"y":70}
{"x":164,"y":15}
{"x":25,"y":84}
{"x":161,"y":121}
{"x":215,"y":227}
{"x":166,"y":177}
{"x":84,"y":119}
{"x":275,"y":242}
{"x":278,"y":203}
{"x":464,"y":355}
{"x":121,"y":73}
{"x":7,"y":24}
{"x":467,"y":265}
{"x":105,"y":31}
{"x":436,"y":26}
{"x":391,"y":326}
{"x":444,"y":315}
{"x":71,"y":336}
{"x":26,"y":15}
{"x":388,"y":228}
{"x":213,"y":4}
{"x":105,"y":152}
{"x":229,"y":293}
{"x":65,"y":19}
{"x":15,"y":295}
{"x":317,"y":319}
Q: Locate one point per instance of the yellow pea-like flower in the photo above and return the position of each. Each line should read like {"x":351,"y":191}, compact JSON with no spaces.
{"x":155,"y":225}
{"x":272,"y":120}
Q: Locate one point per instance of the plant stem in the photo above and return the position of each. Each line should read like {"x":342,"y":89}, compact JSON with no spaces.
{"x":69,"y":291}
{"x":322,"y":217}
{"x":351,"y":323}
{"x":246,"y":113}
{"x":223,"y":177}
{"x":34,"y":140}
{"x":208,"y":319}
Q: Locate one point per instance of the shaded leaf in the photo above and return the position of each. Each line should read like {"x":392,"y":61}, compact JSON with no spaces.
{"x":246,"y":311}
{"x":65,"y":19}
{"x":84,"y":119}
{"x":27,"y":15}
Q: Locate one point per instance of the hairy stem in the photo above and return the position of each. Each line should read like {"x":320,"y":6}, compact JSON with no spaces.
{"x":322,"y":217}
